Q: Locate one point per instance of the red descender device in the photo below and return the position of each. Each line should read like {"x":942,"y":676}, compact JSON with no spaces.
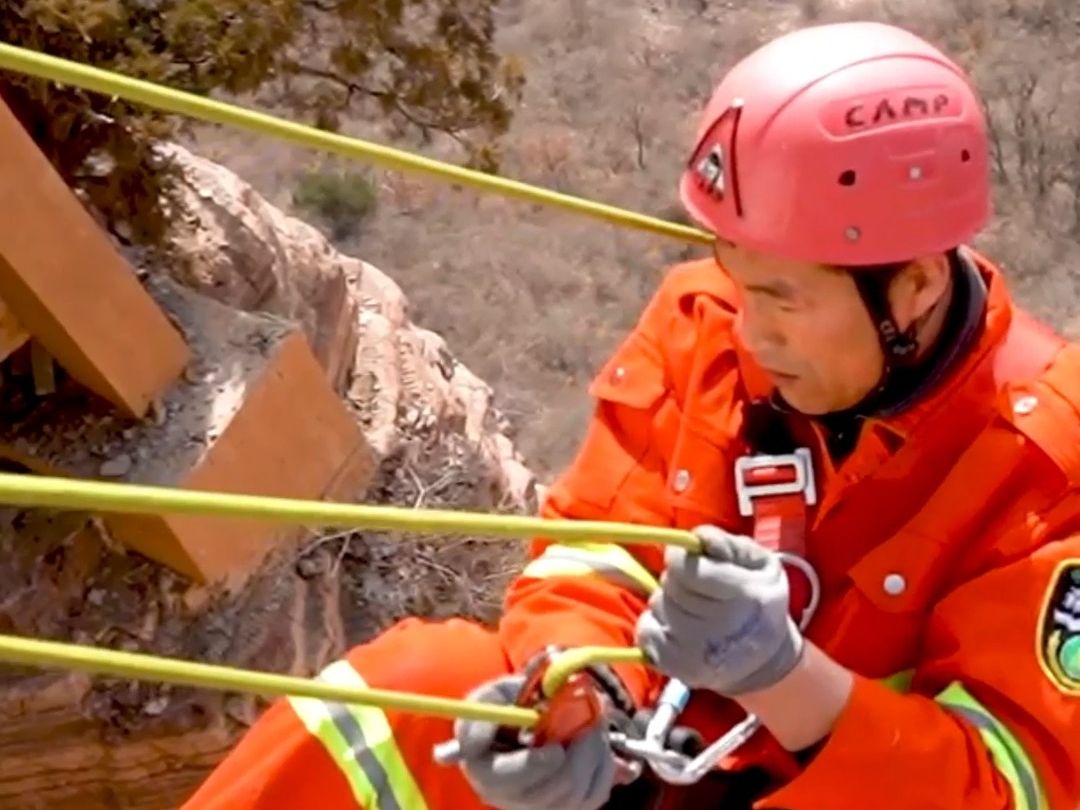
{"x":575,"y":708}
{"x":564,"y":716}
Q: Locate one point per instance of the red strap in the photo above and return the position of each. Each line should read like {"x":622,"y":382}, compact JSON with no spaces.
{"x":780,"y":522}
{"x":780,"y":519}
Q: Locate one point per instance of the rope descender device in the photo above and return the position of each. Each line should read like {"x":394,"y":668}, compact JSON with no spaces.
{"x":568,"y":705}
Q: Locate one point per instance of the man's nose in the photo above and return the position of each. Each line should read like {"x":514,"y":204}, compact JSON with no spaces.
{"x":757,"y":333}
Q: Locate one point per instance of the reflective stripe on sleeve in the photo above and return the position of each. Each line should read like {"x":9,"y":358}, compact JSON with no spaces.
{"x":361,"y":743}
{"x":1008,"y":754}
{"x":607,"y":560}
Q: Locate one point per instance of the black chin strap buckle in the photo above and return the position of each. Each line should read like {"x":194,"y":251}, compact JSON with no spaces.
{"x":900,"y":346}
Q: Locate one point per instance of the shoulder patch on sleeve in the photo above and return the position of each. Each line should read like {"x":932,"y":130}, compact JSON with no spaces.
{"x":1058,"y":645}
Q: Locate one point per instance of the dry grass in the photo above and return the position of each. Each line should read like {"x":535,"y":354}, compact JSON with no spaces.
{"x":533,"y":299}
{"x":386,"y":576}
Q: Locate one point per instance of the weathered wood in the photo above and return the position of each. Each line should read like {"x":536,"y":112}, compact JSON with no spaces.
{"x":71,"y":289}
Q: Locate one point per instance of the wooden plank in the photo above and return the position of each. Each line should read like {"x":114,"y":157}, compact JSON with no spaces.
{"x":291,"y":437}
{"x":72,"y":290}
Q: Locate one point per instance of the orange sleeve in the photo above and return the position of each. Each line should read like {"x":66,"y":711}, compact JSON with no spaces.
{"x":277,"y":763}
{"x":619,"y":473}
{"x":992,"y":718}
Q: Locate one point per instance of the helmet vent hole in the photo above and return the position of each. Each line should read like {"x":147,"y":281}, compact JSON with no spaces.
{"x":847,"y":178}
{"x":965,"y":156}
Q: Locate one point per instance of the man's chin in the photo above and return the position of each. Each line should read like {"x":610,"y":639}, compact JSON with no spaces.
{"x":798,"y":399}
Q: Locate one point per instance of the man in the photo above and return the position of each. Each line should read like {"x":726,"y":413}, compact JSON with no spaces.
{"x":930,"y":438}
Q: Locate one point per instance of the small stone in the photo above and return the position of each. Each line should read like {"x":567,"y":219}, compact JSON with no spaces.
{"x":156,"y":706}
{"x":311,"y":566}
{"x":96,"y":597}
{"x":116,"y":467}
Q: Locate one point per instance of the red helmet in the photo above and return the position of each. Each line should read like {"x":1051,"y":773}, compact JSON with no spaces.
{"x":848,"y":144}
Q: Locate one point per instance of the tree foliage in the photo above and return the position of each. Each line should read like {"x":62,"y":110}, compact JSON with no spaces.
{"x":429,"y":65}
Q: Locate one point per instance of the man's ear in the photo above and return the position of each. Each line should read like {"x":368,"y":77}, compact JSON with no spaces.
{"x":917,"y":289}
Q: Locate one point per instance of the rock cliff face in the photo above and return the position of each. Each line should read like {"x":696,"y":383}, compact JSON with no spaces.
{"x":403,"y":380}
{"x":68,"y":741}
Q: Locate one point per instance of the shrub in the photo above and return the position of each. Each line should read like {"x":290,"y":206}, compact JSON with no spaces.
{"x":341,"y":200}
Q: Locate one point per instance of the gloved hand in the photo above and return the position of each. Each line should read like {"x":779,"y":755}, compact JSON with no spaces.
{"x":575,"y":777}
{"x":720,"y":619}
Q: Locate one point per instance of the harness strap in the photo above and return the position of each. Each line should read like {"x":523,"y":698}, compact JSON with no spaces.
{"x":776,"y":489}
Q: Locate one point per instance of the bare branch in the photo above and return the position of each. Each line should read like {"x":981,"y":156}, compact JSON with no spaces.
{"x":353,"y":88}
{"x":350,"y":86}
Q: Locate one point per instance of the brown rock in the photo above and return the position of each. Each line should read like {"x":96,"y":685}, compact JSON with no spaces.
{"x":237,"y":248}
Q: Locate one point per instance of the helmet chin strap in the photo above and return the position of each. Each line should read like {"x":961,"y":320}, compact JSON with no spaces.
{"x":899,"y":347}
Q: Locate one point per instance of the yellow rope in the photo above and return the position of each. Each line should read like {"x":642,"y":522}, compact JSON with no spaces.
{"x":145,"y":667}
{"x":106,"y":496}
{"x":63,"y":71}
{"x":567,"y":662}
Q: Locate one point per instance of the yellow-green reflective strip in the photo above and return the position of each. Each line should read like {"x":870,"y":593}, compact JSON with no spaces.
{"x":1009,"y":756}
{"x":607,"y":560}
{"x":315,"y":715}
{"x":899,"y":681}
{"x":362,"y":745}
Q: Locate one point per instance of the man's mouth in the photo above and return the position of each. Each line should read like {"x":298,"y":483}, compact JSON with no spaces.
{"x":781,"y":375}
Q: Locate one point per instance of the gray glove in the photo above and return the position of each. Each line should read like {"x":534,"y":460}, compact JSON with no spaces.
{"x":575,"y":777}
{"x":720,"y":619}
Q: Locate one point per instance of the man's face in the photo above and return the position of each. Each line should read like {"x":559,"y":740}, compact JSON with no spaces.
{"x":807,"y":327}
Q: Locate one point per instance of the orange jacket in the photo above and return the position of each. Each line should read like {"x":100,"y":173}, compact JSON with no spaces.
{"x":943,"y":543}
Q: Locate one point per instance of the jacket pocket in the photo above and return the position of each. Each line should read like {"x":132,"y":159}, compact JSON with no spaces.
{"x":633,"y":401}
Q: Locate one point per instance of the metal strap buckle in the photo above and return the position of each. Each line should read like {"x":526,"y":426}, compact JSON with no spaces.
{"x":800,"y":461}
